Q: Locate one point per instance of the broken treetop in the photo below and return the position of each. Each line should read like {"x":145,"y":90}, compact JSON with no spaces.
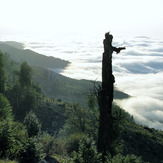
{"x":108,"y":43}
{"x":108,"y":48}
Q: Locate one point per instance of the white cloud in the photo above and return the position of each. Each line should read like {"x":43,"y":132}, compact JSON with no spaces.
{"x":146,"y":110}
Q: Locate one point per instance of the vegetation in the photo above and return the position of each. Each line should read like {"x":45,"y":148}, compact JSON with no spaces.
{"x":87,"y":152}
{"x":32,"y":124}
{"x":2,"y":74}
{"x":35,"y":127}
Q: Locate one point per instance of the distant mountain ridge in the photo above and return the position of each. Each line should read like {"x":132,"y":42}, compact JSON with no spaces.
{"x":18,"y":53}
{"x":14,"y":44}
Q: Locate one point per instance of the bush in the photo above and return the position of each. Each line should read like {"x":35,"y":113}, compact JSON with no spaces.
{"x":125,"y":159}
{"x":30,"y":152}
{"x":32,"y":124}
{"x":5,"y":109}
{"x":72,"y":143}
{"x":87,"y":152}
{"x":6,"y":139}
{"x":7,"y":161}
{"x":48,"y":143}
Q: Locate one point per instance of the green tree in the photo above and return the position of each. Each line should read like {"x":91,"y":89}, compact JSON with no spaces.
{"x":48,"y":142}
{"x":87,"y":152}
{"x":72,"y":142}
{"x":24,"y":95}
{"x":76,"y":125}
{"x":93,"y":113}
{"x":32,"y":123}
{"x":2,"y":74}
{"x":30,"y":153}
{"x":25,"y":75}
{"x":6,"y":139}
{"x":5,"y":109}
{"x":77,"y":120}
{"x":12,"y":136}
{"x":92,"y":102}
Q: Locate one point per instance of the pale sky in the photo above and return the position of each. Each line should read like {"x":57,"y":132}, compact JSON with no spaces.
{"x":132,"y":17}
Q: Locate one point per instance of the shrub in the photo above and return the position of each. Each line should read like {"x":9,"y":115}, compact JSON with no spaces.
{"x":5,"y":109}
{"x":7,"y":161}
{"x":30,"y":152}
{"x":87,"y":152}
{"x":48,"y":143}
{"x":125,"y":159}
{"x":32,"y":124}
{"x":72,"y":143}
{"x":6,"y":139}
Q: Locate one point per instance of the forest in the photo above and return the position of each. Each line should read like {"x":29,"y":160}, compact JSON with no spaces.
{"x":46,"y":117}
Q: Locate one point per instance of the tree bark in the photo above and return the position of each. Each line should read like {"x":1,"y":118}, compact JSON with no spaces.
{"x":105,"y":100}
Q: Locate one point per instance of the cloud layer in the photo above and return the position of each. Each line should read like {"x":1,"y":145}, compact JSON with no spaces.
{"x":138,"y":70}
{"x":140,"y":73}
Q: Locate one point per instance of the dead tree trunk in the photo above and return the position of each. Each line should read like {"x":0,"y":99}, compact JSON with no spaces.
{"x":105,"y":98}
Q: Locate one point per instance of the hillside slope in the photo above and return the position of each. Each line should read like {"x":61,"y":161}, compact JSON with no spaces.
{"x":142,"y":141}
{"x":67,"y":89}
{"x":53,"y":84}
{"x":17,"y":53}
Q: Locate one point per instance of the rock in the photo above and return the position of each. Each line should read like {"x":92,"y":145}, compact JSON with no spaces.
{"x":50,"y":159}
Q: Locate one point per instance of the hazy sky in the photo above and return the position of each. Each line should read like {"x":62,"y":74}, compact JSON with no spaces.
{"x":131,"y":17}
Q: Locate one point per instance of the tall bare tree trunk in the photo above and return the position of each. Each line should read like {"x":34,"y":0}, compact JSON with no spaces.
{"x":105,"y":100}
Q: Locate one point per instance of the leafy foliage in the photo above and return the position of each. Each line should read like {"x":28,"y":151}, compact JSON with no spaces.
{"x":72,"y":143}
{"x":5,"y":109}
{"x":24,"y":96}
{"x":50,"y":113}
{"x":2,"y":74}
{"x":30,"y":153}
{"x":25,"y":75}
{"x":48,"y":142}
{"x":77,"y":118}
{"x":7,"y":161}
{"x":32,"y":123}
{"x":6,"y":139}
{"x":87,"y":152}
{"x":125,"y":159}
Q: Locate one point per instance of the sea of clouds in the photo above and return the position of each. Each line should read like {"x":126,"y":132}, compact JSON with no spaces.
{"x":138,"y":70}
{"x":139,"y":73}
